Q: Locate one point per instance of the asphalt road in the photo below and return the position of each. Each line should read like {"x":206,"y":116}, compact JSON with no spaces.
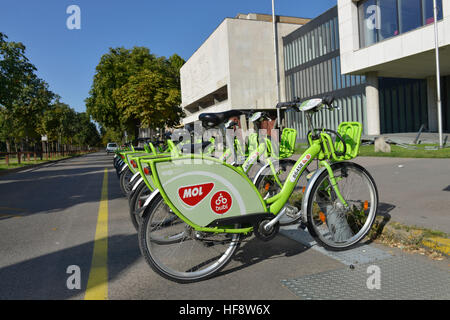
{"x":51,"y":220}
{"x":415,"y":192}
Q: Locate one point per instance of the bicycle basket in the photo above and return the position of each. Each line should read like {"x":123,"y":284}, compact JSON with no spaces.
{"x":351,"y":133}
{"x":252,"y":143}
{"x":287,"y":143}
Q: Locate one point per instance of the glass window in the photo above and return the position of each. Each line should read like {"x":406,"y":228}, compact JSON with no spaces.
{"x":428,"y":14}
{"x":333,"y":66}
{"x":410,"y":14}
{"x":336,"y":29}
{"x":320,"y":36}
{"x":382,"y":19}
{"x":303,"y":77}
{"x":388,"y":26}
{"x":301,"y":51}
{"x":368,"y":16}
{"x":296,"y":53}
{"x":338,"y":73}
{"x":377,"y":21}
{"x":332,"y":35}
{"x":330,"y":76}
{"x":309,"y":45}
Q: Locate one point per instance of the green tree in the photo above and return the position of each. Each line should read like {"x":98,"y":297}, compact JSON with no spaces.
{"x":15,"y":70}
{"x":18,"y":87}
{"x":86,"y":131}
{"x":133,"y":88}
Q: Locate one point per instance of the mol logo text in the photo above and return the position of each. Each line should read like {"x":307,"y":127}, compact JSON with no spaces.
{"x":193,"y":195}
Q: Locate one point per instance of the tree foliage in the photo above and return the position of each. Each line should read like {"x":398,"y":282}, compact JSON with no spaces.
{"x":28,"y":109}
{"x":134,"y":88}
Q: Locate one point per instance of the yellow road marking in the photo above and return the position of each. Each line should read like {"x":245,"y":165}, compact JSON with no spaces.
{"x":13,"y":209}
{"x":439,"y":244}
{"x":97,"y":287}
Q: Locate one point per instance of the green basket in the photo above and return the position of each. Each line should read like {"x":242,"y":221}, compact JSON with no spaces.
{"x":287,"y":144}
{"x":350,"y":133}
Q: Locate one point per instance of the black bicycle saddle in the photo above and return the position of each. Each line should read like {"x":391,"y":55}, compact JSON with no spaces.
{"x":210,"y":120}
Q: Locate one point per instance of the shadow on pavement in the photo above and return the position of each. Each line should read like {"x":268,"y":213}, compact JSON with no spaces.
{"x":47,"y":191}
{"x":45,"y":277}
{"x":255,"y":251}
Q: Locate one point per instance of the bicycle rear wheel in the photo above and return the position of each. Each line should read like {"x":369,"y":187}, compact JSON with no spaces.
{"x":125,"y":178}
{"x":177,"y":252}
{"x":136,"y":201}
{"x":337,"y":225}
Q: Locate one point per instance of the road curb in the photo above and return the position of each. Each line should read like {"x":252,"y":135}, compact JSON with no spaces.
{"x":439,"y":244}
{"x":411,"y":237}
{"x":32,"y":166}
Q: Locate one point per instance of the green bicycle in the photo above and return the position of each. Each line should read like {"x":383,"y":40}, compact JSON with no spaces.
{"x":202,"y":208}
{"x":273,"y":164}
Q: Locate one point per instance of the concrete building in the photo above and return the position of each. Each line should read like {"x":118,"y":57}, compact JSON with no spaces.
{"x":235,"y":67}
{"x":394,"y":39}
{"x":377,"y":58}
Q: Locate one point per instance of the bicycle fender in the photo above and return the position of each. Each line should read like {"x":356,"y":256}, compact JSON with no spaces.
{"x":137,"y":184}
{"x":134,"y":176}
{"x":259,"y":173}
{"x":123,"y":168}
{"x":143,"y":211}
{"x":308,"y":192}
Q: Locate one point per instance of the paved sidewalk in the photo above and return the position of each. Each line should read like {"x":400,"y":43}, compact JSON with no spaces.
{"x":370,"y":272}
{"x":415,"y":192}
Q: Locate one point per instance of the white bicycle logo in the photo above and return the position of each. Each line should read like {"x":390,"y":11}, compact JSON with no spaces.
{"x":221,"y":200}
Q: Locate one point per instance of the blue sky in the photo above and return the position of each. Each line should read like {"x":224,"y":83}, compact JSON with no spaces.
{"x":66,"y":59}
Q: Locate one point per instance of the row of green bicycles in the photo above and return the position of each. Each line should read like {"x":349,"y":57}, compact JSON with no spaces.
{"x":193,"y":202}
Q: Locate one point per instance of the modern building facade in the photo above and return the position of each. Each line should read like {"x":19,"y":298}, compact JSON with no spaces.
{"x":235,"y":67}
{"x":313,"y":70}
{"x":376,"y":58}
{"x":392,"y":42}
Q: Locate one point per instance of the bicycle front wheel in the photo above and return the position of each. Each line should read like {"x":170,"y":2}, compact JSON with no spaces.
{"x":340,"y":216}
{"x":177,"y":252}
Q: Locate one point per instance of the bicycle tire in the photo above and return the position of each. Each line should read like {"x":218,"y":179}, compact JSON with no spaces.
{"x":136,"y":201}
{"x":333,"y":225}
{"x":125,"y":177}
{"x":180,"y":269}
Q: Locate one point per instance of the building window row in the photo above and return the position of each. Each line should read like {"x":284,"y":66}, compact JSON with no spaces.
{"x":383,"y":19}
{"x":314,"y":44}
{"x":319,"y":79}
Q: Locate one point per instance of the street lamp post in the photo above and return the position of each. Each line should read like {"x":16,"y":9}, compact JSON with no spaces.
{"x":277,"y":74}
{"x":438,"y":76}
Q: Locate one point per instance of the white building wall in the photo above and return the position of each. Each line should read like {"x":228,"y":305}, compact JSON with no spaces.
{"x":208,"y":68}
{"x":252,"y":63}
{"x":356,"y":60}
{"x":239,"y":54}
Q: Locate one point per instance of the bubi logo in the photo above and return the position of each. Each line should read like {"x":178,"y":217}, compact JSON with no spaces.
{"x":221,"y":202}
{"x":193,"y":195}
